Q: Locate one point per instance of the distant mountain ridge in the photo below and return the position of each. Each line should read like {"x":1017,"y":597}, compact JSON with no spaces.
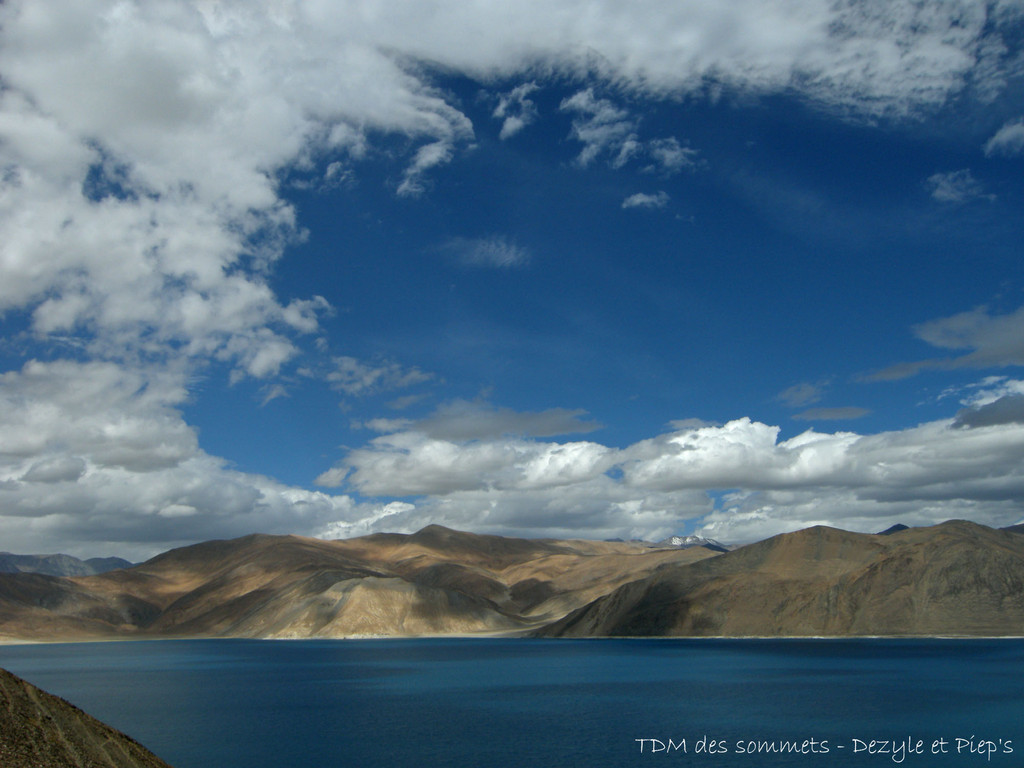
{"x":436,"y":581}
{"x":957,"y":578}
{"x":59,"y":565}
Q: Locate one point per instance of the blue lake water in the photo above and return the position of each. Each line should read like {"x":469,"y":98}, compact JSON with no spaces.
{"x":503,"y":703}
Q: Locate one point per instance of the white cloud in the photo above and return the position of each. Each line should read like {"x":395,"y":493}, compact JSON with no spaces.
{"x":426,"y":158}
{"x":606,"y":130}
{"x":117,"y":418}
{"x":641,"y":200}
{"x":411,"y":463}
{"x":955,"y":186}
{"x":470,"y":446}
{"x":1008,"y":141}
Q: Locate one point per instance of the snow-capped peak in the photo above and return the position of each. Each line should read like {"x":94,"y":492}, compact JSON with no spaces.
{"x":684,"y":542}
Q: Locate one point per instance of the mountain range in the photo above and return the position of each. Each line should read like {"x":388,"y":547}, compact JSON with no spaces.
{"x":957,"y":578}
{"x":59,"y":565}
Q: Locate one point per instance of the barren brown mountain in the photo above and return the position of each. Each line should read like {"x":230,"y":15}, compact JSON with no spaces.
{"x":957,"y":578}
{"x":40,"y":730}
{"x":434,"y":582}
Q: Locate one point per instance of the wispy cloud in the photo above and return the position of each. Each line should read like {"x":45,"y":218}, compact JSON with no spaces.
{"x":474,"y":420}
{"x":806,"y":393}
{"x":832,"y":414}
{"x":607,"y":130}
{"x":602,"y":127}
{"x":516,"y":110}
{"x":956,"y":187}
{"x":496,"y":252}
{"x":801,"y":394}
{"x":670,"y":157}
{"x":357,"y":378}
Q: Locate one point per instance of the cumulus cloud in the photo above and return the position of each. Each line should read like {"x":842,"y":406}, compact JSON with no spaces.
{"x":1008,"y":141}
{"x":956,"y":467}
{"x":100,"y":454}
{"x":412,"y":463}
{"x":465,"y":446}
{"x":641,"y":200}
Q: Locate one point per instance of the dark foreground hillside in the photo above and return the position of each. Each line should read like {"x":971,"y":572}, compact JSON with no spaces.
{"x":39,"y":730}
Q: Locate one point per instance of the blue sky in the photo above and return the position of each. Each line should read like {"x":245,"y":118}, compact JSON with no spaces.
{"x":550,"y":269}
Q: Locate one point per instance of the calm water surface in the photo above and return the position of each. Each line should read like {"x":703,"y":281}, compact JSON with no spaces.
{"x":505,"y":703}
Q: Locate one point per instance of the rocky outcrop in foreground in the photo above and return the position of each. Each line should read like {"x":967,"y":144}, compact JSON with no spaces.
{"x":39,"y":730}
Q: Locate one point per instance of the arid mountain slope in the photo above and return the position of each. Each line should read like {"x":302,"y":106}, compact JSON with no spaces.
{"x":38,"y":729}
{"x":956,"y":578}
{"x":436,"y":581}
